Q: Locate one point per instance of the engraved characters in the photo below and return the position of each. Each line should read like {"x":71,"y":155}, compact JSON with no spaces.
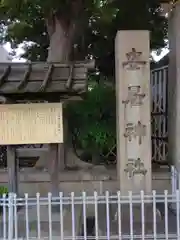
{"x":134,"y":131}
{"x":135,"y":98}
{"x":135,"y":166}
{"x":133,"y":60}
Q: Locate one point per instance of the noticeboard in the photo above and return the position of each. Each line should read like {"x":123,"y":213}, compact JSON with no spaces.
{"x":34,"y":123}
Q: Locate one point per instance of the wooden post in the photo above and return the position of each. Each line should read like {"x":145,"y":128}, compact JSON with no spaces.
{"x":62,"y":149}
{"x":61,"y":156}
{"x":13,"y":170}
{"x":54,"y":168}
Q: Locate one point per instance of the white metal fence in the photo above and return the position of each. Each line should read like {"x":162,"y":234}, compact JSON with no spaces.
{"x":90,"y":217}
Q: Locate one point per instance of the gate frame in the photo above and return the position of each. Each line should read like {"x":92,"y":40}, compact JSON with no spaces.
{"x":159,"y":115}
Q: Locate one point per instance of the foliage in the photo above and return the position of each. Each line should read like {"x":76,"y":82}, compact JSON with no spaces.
{"x":25,"y":20}
{"x":92,"y":121}
{"x":3,"y":190}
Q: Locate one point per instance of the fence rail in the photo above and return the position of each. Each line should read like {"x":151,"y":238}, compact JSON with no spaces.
{"x":135,"y":216}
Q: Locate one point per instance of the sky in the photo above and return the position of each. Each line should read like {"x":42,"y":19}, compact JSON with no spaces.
{"x":20,"y":51}
{"x":163,"y":53}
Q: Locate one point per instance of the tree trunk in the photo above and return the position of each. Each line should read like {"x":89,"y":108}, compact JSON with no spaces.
{"x":61,"y":37}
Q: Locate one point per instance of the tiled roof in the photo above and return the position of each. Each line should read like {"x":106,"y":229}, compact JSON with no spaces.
{"x":19,"y":80}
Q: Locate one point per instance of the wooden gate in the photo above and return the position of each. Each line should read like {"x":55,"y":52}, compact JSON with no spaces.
{"x":159,"y":83}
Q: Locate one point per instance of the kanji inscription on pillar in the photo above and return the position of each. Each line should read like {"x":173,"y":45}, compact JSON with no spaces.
{"x":31,"y":123}
{"x":135,"y":166}
{"x":135,"y":97}
{"x":132,"y":51}
{"x":135,"y":130}
{"x":134,"y":61}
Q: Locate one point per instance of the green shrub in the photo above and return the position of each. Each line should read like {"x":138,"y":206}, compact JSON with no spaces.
{"x":3,"y":190}
{"x":93,"y":121}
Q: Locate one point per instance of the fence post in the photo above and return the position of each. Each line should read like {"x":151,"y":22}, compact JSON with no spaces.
{"x":173,"y":179}
{"x":10,"y":217}
{"x":178,"y":179}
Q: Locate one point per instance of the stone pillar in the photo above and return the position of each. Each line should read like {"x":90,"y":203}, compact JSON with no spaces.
{"x":132,"y":53}
{"x":174,"y":88}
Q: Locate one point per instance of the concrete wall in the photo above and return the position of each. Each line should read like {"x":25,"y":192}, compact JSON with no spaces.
{"x":33,"y":182}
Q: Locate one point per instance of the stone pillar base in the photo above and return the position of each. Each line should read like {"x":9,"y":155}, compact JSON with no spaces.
{"x":137,"y":213}
{"x":173,"y":208}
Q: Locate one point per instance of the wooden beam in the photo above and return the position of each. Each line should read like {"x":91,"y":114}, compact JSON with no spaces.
{"x":42,"y":78}
{"x":45,"y":96}
{"x":34,"y":86}
{"x":37,"y":72}
{"x":54,"y":168}
{"x":5,"y":74}
{"x":70,"y":78}
{"x":89,"y":64}
{"x":24,"y":81}
{"x":37,"y":81}
{"x":47,"y":78}
{"x":62,"y":149}
{"x":39,"y":75}
{"x":30,"y":152}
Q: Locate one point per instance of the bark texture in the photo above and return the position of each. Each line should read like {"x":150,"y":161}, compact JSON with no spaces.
{"x":61,"y":37}
{"x":62,"y":27}
{"x":61,"y":30}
